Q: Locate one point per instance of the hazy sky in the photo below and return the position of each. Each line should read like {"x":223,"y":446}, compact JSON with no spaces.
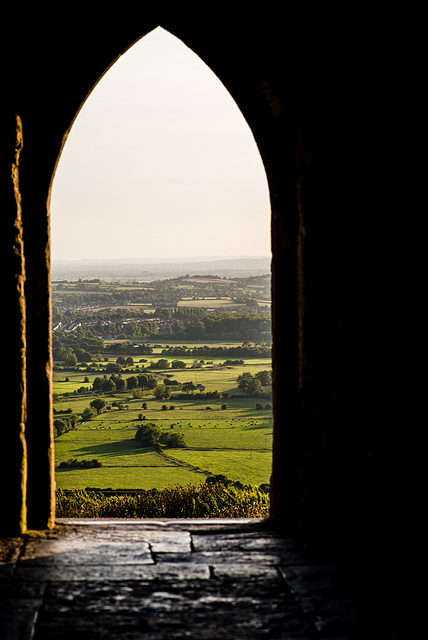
{"x":159,"y":163}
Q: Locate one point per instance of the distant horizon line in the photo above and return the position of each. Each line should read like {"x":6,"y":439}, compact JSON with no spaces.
{"x":166,"y":259}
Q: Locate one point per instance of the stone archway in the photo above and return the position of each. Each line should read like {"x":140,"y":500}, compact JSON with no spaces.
{"x":35,"y":181}
{"x":273,"y":122}
{"x":320,"y":93}
{"x":294,"y":99}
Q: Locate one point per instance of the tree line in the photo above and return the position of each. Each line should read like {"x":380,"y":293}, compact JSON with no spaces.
{"x":115,"y":382}
{"x":242,"y":351}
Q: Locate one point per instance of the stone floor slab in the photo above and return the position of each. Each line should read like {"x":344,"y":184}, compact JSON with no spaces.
{"x":86,"y":552}
{"x":245,"y":571}
{"x":213,"y":609}
{"x":217,"y":557}
{"x":112,"y":572}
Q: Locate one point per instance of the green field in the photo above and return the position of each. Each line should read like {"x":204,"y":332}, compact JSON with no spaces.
{"x":235,"y":441}
{"x":211,"y":303}
{"x":236,"y":447}
{"x":213,"y":376}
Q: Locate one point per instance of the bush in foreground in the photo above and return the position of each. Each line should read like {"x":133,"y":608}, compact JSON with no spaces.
{"x":188,"y":501}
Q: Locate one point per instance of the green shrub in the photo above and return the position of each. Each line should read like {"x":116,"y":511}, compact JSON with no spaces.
{"x":80,"y":464}
{"x":173,"y":440}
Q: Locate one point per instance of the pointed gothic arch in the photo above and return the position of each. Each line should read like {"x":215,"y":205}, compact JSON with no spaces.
{"x":308,"y":120}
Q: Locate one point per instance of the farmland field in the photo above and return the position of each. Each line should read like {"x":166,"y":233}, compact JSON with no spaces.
{"x":212,"y":303}
{"x":224,"y":434}
{"x":236,"y":447}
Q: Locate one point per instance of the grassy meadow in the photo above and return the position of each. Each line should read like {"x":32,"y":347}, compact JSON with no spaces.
{"x":234,"y":441}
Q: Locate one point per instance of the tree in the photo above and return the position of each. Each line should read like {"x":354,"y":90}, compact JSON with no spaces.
{"x":243,"y":380}
{"x":132,"y":382}
{"x":146,"y":381}
{"x":161,"y":391}
{"x":173,"y":440}
{"x":71,"y":360}
{"x":120,"y":383}
{"x":162,"y":363}
{"x":83,"y":355}
{"x":60,"y":426}
{"x":98,"y":404}
{"x":265,"y":377}
{"x":108,"y":385}
{"x":254,"y":387}
{"x":250,"y":385}
{"x":88,"y":413}
{"x":73,"y":419}
{"x":112,"y":367}
{"x":178,"y":364}
{"x":148,"y":434}
{"x":171,"y":383}
{"x":178,"y":326}
{"x":188,"y":386}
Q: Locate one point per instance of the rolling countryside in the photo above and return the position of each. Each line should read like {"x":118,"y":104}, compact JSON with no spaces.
{"x":138,"y":362}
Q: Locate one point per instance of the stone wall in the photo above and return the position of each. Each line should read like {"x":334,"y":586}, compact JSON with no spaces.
{"x":307,"y":93}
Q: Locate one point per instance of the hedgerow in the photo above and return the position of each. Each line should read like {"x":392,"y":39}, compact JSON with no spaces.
{"x":188,"y":501}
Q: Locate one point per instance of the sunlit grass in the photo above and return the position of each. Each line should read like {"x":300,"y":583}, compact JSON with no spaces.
{"x":234,"y":440}
{"x":247,"y":466}
{"x":127,"y":478}
{"x":240,"y":449}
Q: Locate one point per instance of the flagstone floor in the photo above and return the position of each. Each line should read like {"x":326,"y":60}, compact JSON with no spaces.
{"x":193,"y":579}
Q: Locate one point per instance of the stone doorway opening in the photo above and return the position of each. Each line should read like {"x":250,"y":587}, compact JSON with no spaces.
{"x":88,"y":164}
{"x":250,"y":81}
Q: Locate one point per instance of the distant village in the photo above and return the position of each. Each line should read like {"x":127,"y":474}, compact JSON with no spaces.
{"x":192,"y":306}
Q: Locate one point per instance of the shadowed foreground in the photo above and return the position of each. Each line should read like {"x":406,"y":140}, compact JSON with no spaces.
{"x":153,"y":579}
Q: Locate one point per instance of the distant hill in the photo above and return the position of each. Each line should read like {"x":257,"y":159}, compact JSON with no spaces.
{"x":149,"y":270}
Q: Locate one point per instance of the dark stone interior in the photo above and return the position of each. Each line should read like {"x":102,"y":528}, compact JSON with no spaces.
{"x":320,"y":95}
